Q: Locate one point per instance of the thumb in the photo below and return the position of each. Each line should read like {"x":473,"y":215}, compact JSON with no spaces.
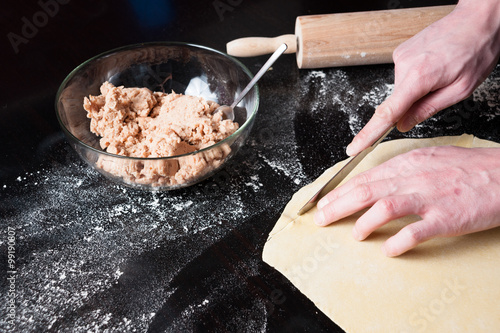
{"x":429,"y":105}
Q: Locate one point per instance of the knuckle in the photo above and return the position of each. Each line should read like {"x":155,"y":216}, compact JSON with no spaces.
{"x":387,"y":111}
{"x":387,"y":207}
{"x":363,"y":193}
{"x":418,"y":70}
{"x":415,"y":156}
{"x":397,"y":54}
{"x":426,"y":111}
{"x":421,"y":63}
{"x":414,"y":159}
{"x":403,"y":53}
{"x":420,"y":75}
{"x":457,"y":174}
{"x":415,"y":233}
{"x":462,"y":227}
{"x":363,"y":135}
{"x":464,"y":88}
{"x":361,"y":179}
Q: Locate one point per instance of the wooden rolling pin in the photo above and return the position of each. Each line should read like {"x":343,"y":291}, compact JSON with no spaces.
{"x":345,"y":39}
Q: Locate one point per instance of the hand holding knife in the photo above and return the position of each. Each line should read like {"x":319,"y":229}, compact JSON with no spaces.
{"x":339,"y":176}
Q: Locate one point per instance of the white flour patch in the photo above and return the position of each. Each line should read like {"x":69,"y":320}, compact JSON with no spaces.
{"x":255,"y":184}
{"x":291,"y":169}
{"x":378,"y":94}
{"x":333,"y":88}
{"x":336,"y":88}
{"x":84,"y":235}
{"x":183,"y":205}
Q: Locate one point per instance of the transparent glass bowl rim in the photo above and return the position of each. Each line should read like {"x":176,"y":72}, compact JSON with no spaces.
{"x":240,"y":129}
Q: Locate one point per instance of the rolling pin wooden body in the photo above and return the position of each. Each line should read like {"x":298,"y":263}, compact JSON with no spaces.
{"x":345,"y":39}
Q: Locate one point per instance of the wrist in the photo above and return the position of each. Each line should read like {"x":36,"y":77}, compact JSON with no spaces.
{"x":485,"y":15}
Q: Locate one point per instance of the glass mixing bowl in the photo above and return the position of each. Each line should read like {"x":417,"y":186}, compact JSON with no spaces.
{"x":164,"y":66}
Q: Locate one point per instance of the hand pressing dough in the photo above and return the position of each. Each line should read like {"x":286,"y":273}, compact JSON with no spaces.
{"x":443,"y":285}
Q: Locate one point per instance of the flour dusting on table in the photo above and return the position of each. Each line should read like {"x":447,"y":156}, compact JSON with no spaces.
{"x":334,"y":88}
{"x":337,"y":89}
{"x":63,"y":213}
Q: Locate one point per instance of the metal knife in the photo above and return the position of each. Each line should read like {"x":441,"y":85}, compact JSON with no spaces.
{"x":341,"y":174}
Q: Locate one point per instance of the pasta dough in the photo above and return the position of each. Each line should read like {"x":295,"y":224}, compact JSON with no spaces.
{"x":443,"y":285}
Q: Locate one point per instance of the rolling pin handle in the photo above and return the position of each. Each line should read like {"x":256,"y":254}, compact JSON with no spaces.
{"x":256,"y":46}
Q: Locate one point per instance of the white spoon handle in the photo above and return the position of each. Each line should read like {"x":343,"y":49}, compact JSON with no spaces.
{"x":259,"y":74}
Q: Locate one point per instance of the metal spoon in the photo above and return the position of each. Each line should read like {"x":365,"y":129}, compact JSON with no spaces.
{"x":228,"y":111}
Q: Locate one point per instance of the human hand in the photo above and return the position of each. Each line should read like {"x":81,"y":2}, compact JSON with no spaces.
{"x":437,"y":68}
{"x":454,"y":190}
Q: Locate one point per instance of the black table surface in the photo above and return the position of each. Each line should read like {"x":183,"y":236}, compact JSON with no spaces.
{"x":79,"y":253}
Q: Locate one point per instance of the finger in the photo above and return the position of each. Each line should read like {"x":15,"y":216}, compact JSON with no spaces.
{"x":379,"y":123}
{"x":429,"y":105}
{"x":384,"y":211}
{"x":360,"y":197}
{"x":384,"y":171}
{"x":410,"y":236}
{"x":338,"y":192}
{"x":386,"y":115}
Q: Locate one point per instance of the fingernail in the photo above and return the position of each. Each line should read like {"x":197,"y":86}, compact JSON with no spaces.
{"x":386,"y":251}
{"x":319,"y":218}
{"x":350,"y":149}
{"x":322,"y":203}
{"x":406,"y":124}
{"x":356,"y":234}
{"x":403,"y":127}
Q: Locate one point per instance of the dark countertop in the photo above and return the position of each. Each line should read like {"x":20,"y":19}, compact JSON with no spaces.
{"x":89,"y":255}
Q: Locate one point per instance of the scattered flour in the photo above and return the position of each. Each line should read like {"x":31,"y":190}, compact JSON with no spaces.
{"x":336,"y":89}
{"x":80,"y":248}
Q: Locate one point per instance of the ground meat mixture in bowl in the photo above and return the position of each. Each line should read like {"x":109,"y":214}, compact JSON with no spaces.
{"x":146,"y":115}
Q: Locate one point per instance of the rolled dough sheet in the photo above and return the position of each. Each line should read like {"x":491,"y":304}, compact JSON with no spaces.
{"x":444,"y":285}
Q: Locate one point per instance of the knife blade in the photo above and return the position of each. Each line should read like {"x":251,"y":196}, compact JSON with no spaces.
{"x":341,"y":174}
